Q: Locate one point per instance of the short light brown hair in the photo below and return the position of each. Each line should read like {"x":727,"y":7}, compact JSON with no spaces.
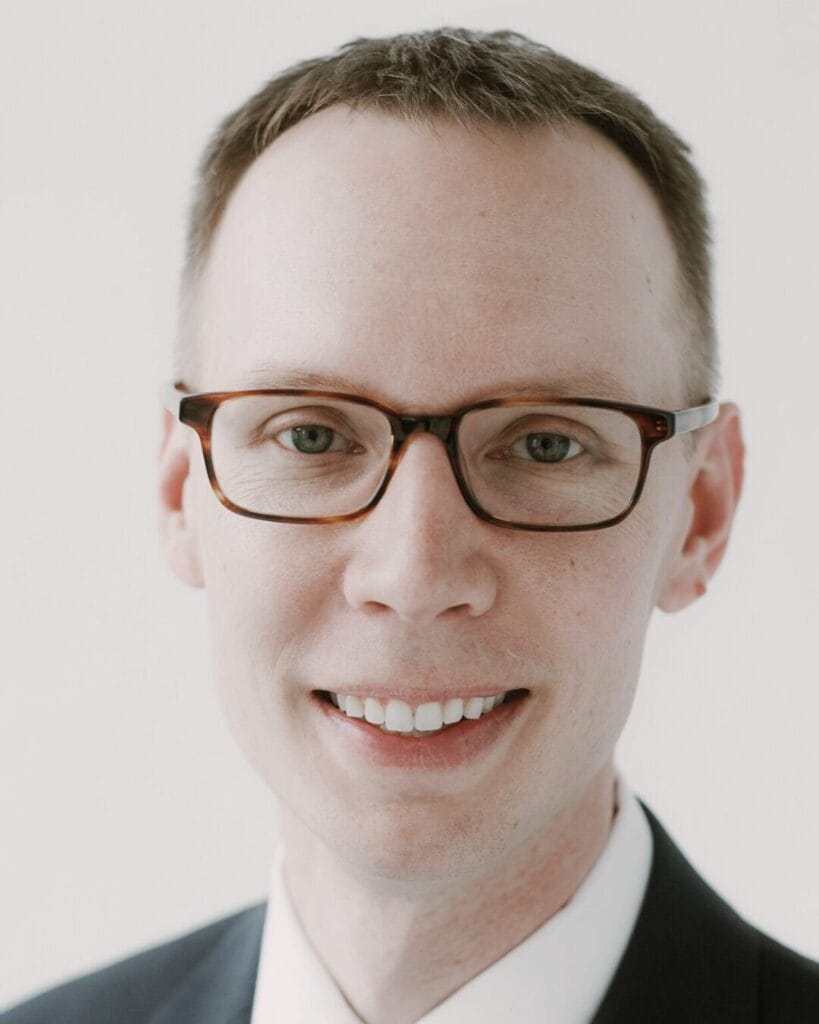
{"x":476,"y":79}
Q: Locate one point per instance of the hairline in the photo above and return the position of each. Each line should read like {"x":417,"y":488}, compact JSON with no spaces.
{"x":682,"y":300}
{"x":482,"y":81}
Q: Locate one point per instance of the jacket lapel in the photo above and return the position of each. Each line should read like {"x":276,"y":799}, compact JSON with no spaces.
{"x":690,"y":958}
{"x":219,"y":989}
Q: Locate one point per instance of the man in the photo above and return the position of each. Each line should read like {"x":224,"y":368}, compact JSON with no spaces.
{"x":447,"y":349}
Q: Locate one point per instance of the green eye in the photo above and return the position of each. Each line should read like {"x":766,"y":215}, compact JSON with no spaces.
{"x":547,"y":447}
{"x":310,"y":439}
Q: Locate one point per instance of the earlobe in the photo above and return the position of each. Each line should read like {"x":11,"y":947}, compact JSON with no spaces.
{"x":178,"y":535}
{"x":713,"y":495}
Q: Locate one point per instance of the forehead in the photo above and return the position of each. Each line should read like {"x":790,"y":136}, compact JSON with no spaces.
{"x":430,"y":264}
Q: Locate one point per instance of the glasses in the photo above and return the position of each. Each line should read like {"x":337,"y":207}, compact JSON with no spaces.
{"x":538,"y":463}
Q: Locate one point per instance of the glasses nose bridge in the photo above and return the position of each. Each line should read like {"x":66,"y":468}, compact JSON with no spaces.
{"x":440,"y":426}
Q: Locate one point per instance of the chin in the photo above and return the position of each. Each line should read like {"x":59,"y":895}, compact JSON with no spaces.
{"x":417,"y":841}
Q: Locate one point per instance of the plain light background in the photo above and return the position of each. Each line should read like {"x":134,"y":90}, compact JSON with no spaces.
{"x":127,"y":814}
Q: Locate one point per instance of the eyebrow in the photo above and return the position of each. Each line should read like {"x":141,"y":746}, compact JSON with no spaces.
{"x":588,"y":383}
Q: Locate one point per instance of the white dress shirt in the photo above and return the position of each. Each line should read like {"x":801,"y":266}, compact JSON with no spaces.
{"x":559,"y":973}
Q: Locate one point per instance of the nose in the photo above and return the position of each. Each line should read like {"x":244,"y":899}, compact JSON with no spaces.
{"x":421,"y":552}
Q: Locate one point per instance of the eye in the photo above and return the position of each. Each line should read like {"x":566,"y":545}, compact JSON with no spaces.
{"x":546,"y":446}
{"x":313,"y":439}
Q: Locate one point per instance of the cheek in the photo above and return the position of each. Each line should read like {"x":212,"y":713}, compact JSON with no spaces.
{"x":267,"y":594}
{"x":591,"y":590}
{"x":265,"y":581}
{"x":596,"y":601}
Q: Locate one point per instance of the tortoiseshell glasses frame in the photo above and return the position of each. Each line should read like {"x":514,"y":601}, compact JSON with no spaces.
{"x":197,"y":411}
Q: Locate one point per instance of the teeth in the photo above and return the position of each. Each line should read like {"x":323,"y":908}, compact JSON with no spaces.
{"x":374,"y":711}
{"x":398,"y":717}
{"x":473,"y":707}
{"x":454,"y":710}
{"x":354,"y":706}
{"x":427,"y":718}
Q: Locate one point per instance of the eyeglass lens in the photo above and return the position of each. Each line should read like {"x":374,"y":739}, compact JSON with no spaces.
{"x":538,"y":464}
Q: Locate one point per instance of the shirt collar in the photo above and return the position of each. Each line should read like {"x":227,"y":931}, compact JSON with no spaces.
{"x":560,"y":972}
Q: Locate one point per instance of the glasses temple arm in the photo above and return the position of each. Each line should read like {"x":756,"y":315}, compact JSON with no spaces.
{"x":687,"y":420}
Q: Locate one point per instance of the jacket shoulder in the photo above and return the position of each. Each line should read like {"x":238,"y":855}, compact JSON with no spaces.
{"x":129,"y":990}
{"x":789,"y":984}
{"x":693,"y":958}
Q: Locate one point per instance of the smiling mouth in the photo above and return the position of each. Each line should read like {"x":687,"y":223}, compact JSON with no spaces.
{"x":396,"y":718}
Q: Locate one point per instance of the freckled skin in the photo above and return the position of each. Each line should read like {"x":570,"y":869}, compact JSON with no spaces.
{"x":427,"y":267}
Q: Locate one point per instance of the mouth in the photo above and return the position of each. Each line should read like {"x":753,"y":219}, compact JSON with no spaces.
{"x":386,"y":733}
{"x":398,"y":718}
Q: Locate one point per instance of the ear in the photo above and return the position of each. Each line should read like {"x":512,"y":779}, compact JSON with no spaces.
{"x":178,"y":536}
{"x":713,"y":494}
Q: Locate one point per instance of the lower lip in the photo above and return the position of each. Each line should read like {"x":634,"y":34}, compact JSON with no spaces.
{"x":456,"y":745}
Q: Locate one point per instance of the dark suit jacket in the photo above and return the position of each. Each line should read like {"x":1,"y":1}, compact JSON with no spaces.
{"x":691,"y":960}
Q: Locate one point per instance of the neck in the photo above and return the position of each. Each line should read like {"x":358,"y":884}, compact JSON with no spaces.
{"x":397,"y":954}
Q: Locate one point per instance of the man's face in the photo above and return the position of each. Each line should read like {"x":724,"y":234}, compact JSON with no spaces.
{"x":430,"y":270}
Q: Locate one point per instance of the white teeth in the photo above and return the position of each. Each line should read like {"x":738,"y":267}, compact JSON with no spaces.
{"x":354,"y":706}
{"x":473,"y":707}
{"x":398,"y":716}
{"x":453,"y":710}
{"x":429,"y":717}
{"x":374,"y":711}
